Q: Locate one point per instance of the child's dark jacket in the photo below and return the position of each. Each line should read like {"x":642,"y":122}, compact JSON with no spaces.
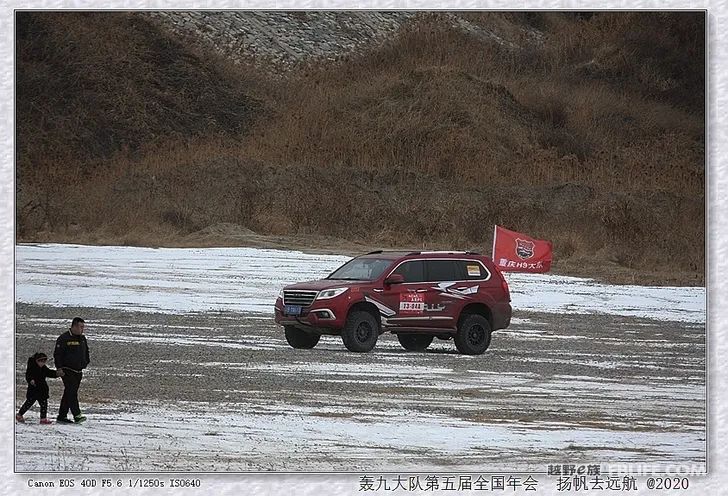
{"x":38,"y":374}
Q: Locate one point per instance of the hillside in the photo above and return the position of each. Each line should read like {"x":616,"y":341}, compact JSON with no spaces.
{"x":369,"y":129}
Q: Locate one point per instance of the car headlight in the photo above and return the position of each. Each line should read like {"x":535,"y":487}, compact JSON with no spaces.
{"x":330,"y":293}
{"x":280,"y":294}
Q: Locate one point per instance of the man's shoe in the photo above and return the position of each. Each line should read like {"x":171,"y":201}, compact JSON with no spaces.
{"x":63,"y":420}
{"x":79,"y":418}
{"x":20,"y":418}
{"x":45,"y":421}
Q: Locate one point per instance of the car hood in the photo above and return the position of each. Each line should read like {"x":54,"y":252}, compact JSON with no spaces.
{"x":322,"y":284}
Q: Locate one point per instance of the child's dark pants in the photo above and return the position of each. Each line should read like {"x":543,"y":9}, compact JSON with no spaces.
{"x":29,"y":402}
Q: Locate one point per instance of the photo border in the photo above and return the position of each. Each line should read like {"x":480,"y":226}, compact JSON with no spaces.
{"x":318,"y":483}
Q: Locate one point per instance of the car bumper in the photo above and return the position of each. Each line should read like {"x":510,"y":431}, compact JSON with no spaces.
{"x":317,"y":316}
{"x":501,"y":316}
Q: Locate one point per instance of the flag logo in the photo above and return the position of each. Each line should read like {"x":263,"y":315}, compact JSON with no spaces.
{"x":524,"y":248}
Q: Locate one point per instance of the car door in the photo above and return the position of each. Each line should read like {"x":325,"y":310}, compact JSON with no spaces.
{"x":444,"y":300}
{"x":409,"y":299}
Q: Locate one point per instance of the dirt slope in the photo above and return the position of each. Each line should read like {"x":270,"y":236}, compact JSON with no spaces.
{"x":420,"y":130}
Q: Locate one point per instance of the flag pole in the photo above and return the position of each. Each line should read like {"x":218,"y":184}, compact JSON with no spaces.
{"x":495,"y":230}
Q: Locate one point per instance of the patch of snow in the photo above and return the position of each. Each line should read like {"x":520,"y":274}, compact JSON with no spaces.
{"x":181,"y":280}
{"x":180,"y":438}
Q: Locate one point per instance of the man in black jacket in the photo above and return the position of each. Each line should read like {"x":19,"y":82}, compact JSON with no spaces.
{"x":71,"y":356}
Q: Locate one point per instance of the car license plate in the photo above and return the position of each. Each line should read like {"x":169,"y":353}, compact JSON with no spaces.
{"x":292,"y":310}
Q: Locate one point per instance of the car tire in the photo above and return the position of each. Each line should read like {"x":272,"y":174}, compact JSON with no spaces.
{"x":301,"y":339}
{"x":473,"y":335}
{"x":360,"y":332}
{"x":415,"y":342}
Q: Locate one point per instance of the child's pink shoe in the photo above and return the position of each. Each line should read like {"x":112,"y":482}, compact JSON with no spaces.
{"x":45,"y":421}
{"x":20,"y":419}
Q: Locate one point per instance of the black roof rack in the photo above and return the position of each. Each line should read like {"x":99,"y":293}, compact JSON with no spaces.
{"x":473,"y":253}
{"x":374,"y":252}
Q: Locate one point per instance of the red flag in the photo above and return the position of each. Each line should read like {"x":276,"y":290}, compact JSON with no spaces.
{"x":516,"y":252}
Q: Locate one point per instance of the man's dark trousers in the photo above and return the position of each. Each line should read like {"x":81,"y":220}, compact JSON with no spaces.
{"x":71,"y":382}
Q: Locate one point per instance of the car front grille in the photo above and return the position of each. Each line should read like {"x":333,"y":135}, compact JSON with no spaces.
{"x":298,"y":297}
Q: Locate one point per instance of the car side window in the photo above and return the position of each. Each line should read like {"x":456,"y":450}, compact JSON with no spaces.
{"x":411,"y":271}
{"x":442,"y":270}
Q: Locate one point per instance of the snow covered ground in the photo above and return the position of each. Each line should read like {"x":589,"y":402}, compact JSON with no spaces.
{"x":195,"y":439}
{"x":200,"y":379}
{"x":248,"y":280}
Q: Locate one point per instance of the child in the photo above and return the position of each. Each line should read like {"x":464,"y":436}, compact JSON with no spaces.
{"x":37,"y":386}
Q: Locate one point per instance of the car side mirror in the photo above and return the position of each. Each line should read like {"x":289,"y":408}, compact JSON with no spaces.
{"x":394,"y":279}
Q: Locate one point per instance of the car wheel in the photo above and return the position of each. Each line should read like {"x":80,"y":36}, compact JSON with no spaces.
{"x":473,"y":336}
{"x":301,"y":339}
{"x":360,"y":332}
{"x":415,"y":342}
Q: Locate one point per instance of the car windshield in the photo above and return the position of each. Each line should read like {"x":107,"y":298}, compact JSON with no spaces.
{"x":361,"y":269}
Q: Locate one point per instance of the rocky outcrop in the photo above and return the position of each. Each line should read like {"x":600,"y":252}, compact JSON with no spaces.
{"x":285,"y":38}
{"x":282,"y":39}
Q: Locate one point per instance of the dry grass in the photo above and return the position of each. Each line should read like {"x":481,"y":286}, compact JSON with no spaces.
{"x":593,"y":138}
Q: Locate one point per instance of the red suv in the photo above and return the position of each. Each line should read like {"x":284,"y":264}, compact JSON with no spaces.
{"x":416,"y":295}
